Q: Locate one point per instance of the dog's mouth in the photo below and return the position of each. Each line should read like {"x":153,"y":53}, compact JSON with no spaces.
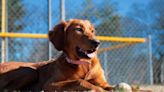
{"x":88,"y":54}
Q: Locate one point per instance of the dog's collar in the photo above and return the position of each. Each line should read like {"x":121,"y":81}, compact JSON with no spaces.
{"x":77,"y":62}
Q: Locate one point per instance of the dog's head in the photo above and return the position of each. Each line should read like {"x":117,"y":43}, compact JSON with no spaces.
{"x":76,"y":38}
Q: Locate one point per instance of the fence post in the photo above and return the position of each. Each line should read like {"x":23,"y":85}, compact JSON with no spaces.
{"x":106,"y":65}
{"x":62,"y":16}
{"x":6,"y":30}
{"x":150,"y":61}
{"x":49,"y":28}
{"x":3,"y":29}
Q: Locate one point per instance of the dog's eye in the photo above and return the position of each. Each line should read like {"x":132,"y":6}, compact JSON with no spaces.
{"x":79,"y":29}
{"x":93,"y":31}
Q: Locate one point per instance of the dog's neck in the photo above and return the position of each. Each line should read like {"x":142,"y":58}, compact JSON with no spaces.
{"x":86,"y":63}
{"x":77,"y":62}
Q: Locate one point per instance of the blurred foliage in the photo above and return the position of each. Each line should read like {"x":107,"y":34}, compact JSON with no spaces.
{"x":152,"y":20}
{"x":15,"y":11}
{"x":106,"y":21}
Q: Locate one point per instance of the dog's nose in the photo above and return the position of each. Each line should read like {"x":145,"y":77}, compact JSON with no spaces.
{"x":95,"y":42}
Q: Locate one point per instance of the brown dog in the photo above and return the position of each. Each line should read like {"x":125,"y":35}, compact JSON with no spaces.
{"x":78,"y":68}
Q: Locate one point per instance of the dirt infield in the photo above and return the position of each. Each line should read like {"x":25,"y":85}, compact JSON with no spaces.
{"x":153,"y":88}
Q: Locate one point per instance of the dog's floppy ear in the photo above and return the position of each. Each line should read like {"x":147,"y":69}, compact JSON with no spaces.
{"x":56,"y":36}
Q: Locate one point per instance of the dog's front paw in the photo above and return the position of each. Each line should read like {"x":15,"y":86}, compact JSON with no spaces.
{"x":108,"y":88}
{"x":98,"y":89}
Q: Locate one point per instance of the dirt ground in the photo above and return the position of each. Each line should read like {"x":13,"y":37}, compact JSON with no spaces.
{"x":153,"y":88}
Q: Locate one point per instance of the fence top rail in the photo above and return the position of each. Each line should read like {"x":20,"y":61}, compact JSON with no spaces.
{"x":102,"y":38}
{"x":122,"y":39}
{"x":22,"y":35}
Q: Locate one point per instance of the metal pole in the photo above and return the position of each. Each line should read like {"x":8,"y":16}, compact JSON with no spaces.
{"x":3,"y":28}
{"x":106,"y":65}
{"x":6,"y":39}
{"x":150,"y":61}
{"x":62,"y":3}
{"x":162,"y":73}
{"x":49,"y":28}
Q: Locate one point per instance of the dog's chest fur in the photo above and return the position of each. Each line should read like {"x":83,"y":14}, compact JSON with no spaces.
{"x":74,"y":71}
{"x":63,"y":71}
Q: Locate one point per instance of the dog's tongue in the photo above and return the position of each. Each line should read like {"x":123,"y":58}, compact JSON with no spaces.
{"x":91,"y":55}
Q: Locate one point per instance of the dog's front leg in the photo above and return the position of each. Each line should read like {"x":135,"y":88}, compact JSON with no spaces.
{"x":101,"y":83}
{"x":72,"y":85}
{"x":97,"y":78}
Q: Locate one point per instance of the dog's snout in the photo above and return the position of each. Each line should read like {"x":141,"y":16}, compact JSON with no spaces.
{"x":95,"y":42}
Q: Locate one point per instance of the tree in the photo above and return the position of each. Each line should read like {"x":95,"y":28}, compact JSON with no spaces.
{"x":104,"y":16}
{"x":15,"y":12}
{"x":158,"y":25}
{"x":151,"y":15}
{"x":157,"y":11}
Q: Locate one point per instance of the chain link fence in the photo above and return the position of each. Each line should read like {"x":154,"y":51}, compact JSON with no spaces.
{"x":24,"y":16}
{"x":122,"y":62}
